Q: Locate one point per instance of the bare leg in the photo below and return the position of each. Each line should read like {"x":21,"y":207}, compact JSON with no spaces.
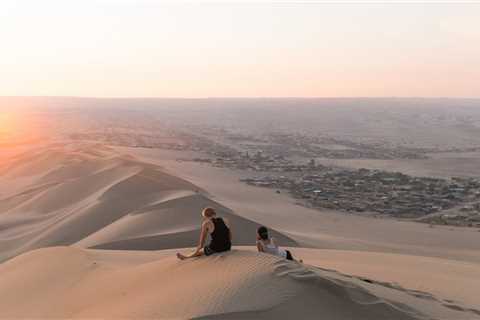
{"x":197,"y":253}
{"x":297,"y":260}
{"x":290,"y":257}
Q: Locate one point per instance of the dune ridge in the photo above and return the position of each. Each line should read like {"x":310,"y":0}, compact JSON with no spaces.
{"x":69,"y":282}
{"x":87,"y":231}
{"x":90,"y":196}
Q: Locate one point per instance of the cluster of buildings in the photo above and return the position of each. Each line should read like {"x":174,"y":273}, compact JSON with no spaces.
{"x":436,"y":201}
{"x":258,"y":161}
{"x":374,"y":191}
{"x":467,"y":216}
{"x":334,"y":148}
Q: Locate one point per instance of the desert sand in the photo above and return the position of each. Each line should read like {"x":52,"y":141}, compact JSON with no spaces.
{"x":91,"y":231}
{"x":319,"y":229}
{"x":240,"y":284}
{"x":91,"y":197}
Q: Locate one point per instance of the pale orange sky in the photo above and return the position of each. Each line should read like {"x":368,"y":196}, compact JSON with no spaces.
{"x":142,"y":48}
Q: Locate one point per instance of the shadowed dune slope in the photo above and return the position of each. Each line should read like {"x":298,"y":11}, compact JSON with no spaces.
{"x":89,"y":196}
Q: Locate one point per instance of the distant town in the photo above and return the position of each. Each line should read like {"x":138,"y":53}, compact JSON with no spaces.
{"x":365,"y":191}
{"x":386,"y":193}
{"x":287,"y":163}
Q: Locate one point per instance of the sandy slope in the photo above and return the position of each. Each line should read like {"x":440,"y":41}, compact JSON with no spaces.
{"x":89,"y":196}
{"x":319,"y":229}
{"x":75,"y":283}
{"x":454,"y":282}
{"x":92,"y":196}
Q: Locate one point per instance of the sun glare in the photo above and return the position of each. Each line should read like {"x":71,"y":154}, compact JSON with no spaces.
{"x":13,"y":128}
{"x":5,"y":123}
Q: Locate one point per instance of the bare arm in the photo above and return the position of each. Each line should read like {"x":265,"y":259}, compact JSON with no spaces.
{"x":201,"y":243}
{"x":203,"y":235}
{"x":259,"y":246}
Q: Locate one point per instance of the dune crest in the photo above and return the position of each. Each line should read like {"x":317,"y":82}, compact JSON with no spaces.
{"x":89,"y":196}
{"x":77,"y":199}
{"x":78,"y":283}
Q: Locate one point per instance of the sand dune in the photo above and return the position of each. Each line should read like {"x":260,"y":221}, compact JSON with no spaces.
{"x":454,"y":282}
{"x":76,"y":283}
{"x":324,"y":229}
{"x":89,"y":196}
{"x":78,"y":199}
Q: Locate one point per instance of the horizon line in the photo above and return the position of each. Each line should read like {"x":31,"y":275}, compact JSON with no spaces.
{"x":240,"y":97}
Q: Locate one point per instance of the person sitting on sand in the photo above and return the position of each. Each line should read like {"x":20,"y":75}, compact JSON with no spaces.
{"x":220,"y":234}
{"x":268,"y":245}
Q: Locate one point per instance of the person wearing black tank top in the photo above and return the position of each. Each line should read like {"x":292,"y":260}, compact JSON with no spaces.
{"x":220,"y":234}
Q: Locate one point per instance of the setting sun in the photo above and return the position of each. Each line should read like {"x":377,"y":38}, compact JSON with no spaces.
{"x":6,"y":123}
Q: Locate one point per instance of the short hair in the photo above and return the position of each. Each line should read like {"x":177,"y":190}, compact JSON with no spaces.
{"x":263,"y":232}
{"x":208,"y":212}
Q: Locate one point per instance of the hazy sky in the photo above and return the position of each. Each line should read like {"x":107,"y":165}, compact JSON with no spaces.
{"x":148,"y":48}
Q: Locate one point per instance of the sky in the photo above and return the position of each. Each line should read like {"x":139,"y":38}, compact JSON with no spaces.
{"x":146,"y":48}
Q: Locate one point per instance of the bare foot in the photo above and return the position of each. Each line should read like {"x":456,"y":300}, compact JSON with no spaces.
{"x":181,"y":256}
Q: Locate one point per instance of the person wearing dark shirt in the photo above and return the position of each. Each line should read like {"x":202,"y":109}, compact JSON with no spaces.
{"x":220,"y":234}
